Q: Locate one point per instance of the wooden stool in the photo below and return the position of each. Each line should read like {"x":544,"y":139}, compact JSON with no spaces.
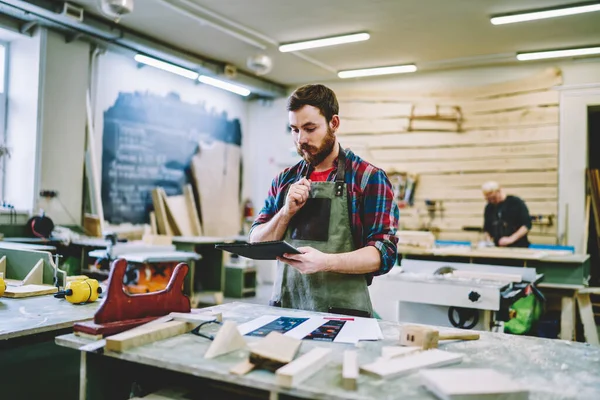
{"x":570,"y":294}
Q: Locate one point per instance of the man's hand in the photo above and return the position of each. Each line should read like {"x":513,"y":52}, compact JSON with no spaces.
{"x":296,"y":197}
{"x":505,"y":241}
{"x":310,"y":261}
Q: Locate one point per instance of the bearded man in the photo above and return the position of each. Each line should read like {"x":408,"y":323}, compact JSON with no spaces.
{"x":336,"y":208}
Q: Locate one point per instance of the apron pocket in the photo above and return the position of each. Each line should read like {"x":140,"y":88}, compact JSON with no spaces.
{"x":312,"y":221}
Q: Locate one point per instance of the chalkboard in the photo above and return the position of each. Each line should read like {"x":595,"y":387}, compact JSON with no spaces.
{"x":148,"y":141}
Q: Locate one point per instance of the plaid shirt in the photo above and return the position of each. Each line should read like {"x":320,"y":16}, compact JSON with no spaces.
{"x":374,"y":214}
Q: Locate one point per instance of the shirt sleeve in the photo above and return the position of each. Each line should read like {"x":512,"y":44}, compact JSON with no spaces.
{"x":524,"y":217}
{"x":380,"y":219}
{"x":487,"y":223}
{"x":272,"y":204}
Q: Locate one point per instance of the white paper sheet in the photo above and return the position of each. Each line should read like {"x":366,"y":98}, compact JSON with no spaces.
{"x":354,"y":329}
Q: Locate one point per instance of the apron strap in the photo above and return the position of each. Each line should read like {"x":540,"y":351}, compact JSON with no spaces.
{"x":340,"y":176}
{"x":341,"y":173}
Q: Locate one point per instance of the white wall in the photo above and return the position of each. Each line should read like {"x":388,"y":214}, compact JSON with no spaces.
{"x":265,"y":125}
{"x":119,"y":73}
{"x":268,"y":148}
{"x":22,"y":119}
{"x":63,"y":127}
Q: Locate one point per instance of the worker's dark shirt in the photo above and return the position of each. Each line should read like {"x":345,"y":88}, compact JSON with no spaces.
{"x":506,"y":218}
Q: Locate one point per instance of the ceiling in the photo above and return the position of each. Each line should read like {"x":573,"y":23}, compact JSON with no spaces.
{"x":434,"y":34}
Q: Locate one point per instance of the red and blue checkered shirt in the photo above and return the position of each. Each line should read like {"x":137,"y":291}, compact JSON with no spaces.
{"x":374,"y":214}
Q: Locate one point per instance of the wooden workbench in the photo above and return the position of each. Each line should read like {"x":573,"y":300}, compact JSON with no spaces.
{"x":35,"y":315}
{"x":31,"y":365}
{"x":550,"y":369}
{"x":558,"y":266}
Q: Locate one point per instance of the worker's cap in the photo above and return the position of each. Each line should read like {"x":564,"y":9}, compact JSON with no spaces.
{"x":490,"y":186}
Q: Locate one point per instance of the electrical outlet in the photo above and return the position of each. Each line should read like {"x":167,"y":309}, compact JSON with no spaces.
{"x":49,"y":193}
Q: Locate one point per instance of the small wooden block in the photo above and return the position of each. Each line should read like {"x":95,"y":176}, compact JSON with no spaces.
{"x":404,"y":365}
{"x":471,"y":383}
{"x":228,"y":339}
{"x":303,"y":367}
{"x":28,"y":290}
{"x":420,"y":336}
{"x":87,"y":335}
{"x":146,"y":334}
{"x":274,"y":351}
{"x":242,"y":368}
{"x":193,"y":317}
{"x":350,"y":370}
{"x":389,"y":352}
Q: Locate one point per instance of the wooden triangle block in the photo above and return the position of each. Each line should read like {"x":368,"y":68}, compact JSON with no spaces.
{"x":3,"y":265}
{"x":36,"y":275}
{"x":228,"y":339}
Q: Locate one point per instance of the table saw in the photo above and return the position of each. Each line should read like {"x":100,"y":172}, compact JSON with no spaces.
{"x":475,"y":296}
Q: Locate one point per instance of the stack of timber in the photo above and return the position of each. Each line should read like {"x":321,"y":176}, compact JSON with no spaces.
{"x":175,"y":215}
{"x":457,"y":140}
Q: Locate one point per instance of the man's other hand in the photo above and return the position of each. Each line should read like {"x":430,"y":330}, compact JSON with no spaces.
{"x":310,"y":261}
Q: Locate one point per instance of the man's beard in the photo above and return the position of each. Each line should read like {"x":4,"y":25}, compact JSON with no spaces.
{"x":316,"y":155}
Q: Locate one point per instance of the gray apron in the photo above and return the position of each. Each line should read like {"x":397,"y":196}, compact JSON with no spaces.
{"x":324,"y":224}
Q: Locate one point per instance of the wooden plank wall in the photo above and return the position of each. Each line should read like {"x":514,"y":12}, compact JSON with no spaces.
{"x":506,"y":132}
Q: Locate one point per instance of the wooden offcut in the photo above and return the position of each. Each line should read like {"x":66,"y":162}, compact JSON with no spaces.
{"x":162,"y":222}
{"x":350,"y":370}
{"x":17,"y":292}
{"x":472,"y":383}
{"x":295,"y":372}
{"x":274,"y":351}
{"x":216,"y":177}
{"x":145,"y":335}
{"x":388,"y":369}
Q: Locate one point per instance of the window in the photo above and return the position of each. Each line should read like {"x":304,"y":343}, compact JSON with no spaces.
{"x":3,"y":106}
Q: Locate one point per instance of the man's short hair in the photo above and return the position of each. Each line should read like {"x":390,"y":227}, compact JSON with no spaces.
{"x":316,"y":95}
{"x":490,"y":186}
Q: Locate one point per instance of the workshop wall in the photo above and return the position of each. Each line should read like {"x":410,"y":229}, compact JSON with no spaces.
{"x":510,"y":132}
{"x":453,"y":141}
{"x":160,"y":107}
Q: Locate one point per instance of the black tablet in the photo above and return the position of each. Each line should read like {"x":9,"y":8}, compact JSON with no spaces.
{"x":259,"y":250}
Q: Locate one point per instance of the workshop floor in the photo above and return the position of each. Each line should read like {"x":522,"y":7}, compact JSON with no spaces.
{"x":263,"y":295}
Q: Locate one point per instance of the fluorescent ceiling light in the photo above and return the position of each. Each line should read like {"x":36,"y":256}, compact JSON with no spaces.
{"x":311,"y":44}
{"x":397,"y":69}
{"x":166,"y":66}
{"x":535,"y":15}
{"x":539,"y":55}
{"x":242,"y":91}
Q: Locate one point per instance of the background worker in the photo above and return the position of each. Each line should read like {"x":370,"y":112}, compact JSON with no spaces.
{"x":506,"y":218}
